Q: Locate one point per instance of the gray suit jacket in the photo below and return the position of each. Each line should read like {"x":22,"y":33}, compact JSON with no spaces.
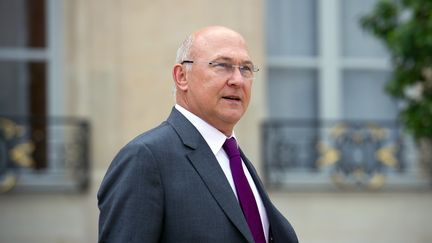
{"x":167,"y":186}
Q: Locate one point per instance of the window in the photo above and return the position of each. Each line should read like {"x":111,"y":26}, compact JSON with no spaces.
{"x":38,"y":148}
{"x":328,"y":114}
{"x":23,"y":66}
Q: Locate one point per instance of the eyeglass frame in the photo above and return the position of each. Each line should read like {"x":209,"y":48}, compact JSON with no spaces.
{"x":227,"y":66}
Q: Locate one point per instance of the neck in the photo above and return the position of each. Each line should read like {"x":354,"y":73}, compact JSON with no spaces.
{"x":227,"y":130}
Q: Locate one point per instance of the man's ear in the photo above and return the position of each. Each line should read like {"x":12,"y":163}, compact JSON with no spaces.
{"x":179,"y":76}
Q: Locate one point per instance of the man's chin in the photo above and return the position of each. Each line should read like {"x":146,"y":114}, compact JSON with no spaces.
{"x":232,"y":116}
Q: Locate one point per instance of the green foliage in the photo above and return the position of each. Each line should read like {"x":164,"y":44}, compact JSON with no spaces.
{"x":405,"y":28}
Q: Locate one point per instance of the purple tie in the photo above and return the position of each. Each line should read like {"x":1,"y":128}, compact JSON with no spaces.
{"x":244,"y":191}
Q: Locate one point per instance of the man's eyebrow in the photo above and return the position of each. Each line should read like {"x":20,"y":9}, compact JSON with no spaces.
{"x":228,"y":59}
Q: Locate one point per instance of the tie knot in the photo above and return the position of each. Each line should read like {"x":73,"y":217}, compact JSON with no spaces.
{"x":230,"y":147}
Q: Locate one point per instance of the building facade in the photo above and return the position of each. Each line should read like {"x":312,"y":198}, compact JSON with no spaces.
{"x":105,"y":68}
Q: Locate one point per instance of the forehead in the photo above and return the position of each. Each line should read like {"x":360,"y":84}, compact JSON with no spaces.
{"x":221,"y":45}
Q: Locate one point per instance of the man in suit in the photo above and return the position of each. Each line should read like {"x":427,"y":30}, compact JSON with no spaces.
{"x":186,"y":180}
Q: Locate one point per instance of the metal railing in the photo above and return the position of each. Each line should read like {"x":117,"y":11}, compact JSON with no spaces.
{"x":49,"y":154}
{"x":365,"y":155}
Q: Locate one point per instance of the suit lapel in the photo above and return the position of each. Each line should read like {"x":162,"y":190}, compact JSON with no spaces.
{"x":207,"y":166}
{"x":213,"y":176}
{"x":279,"y":231}
{"x":270,"y":208}
{"x":257,"y":181}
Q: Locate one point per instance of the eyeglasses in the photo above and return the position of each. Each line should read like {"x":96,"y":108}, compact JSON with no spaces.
{"x":227,"y":69}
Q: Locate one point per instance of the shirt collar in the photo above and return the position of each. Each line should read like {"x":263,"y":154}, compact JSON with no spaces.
{"x":214,"y":138}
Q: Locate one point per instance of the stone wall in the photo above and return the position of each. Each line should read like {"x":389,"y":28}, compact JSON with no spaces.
{"x":119,"y":56}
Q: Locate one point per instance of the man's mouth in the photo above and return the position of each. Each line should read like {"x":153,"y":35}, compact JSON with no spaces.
{"x":236,"y":98}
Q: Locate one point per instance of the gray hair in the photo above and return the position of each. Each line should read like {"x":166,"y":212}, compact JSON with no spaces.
{"x":184,"y":51}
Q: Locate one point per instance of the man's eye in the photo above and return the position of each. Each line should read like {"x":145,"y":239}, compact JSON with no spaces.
{"x":246,"y":68}
{"x":221,"y":65}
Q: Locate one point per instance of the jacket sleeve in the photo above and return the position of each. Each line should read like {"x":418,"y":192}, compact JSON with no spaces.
{"x":130,"y":198}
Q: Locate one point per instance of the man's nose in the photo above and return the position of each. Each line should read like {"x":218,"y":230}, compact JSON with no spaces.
{"x":236,"y":77}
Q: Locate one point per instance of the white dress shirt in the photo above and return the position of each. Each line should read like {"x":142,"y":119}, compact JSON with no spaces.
{"x":215,"y":140}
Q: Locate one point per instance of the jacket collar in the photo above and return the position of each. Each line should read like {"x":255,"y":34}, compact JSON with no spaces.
{"x":203,"y":160}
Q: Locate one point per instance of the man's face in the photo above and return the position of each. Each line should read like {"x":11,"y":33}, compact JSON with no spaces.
{"x":220,"y":99}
